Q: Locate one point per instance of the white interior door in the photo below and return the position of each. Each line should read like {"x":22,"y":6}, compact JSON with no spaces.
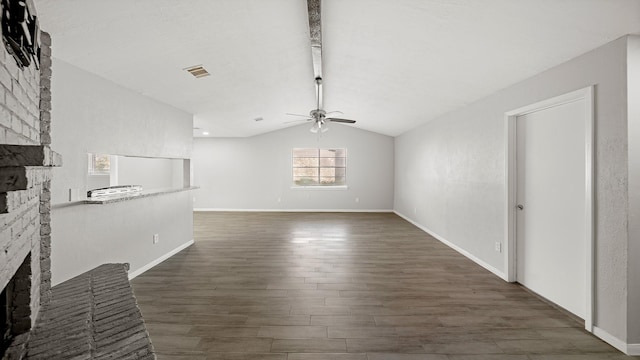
{"x":551,"y":227}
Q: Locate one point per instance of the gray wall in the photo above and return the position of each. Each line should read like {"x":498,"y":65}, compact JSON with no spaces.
{"x":93,"y":115}
{"x":450,"y":172}
{"x":253,"y":173}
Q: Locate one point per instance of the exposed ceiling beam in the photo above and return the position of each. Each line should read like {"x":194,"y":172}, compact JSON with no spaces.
{"x":315,"y":35}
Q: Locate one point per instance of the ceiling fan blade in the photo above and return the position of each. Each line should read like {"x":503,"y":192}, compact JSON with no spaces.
{"x":346,"y":121}
{"x":297,"y":120}
{"x":334,"y":112}
{"x":304,"y":116}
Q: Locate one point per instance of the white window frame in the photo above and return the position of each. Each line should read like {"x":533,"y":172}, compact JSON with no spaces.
{"x":319,"y":187}
{"x":92,"y":165}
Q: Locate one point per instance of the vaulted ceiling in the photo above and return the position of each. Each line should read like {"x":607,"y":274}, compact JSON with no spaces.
{"x":389,"y":64}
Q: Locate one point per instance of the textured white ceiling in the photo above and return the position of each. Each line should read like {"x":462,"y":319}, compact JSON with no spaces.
{"x":389,"y":64}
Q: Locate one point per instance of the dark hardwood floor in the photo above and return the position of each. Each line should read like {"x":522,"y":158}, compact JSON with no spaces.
{"x":347,"y":286}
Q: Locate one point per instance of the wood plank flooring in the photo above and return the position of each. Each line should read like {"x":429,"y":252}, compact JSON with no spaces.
{"x":346,"y":286}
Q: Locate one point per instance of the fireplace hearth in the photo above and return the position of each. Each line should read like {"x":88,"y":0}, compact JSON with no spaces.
{"x":5,"y":322}
{"x":15,"y":306}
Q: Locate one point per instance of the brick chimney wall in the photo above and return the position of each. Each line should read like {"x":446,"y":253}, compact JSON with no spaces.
{"x":25,"y":176}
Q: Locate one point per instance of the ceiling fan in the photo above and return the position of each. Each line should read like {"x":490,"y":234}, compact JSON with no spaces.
{"x":318,"y":115}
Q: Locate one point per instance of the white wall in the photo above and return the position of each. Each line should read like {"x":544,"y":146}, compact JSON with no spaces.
{"x":253,"y":173}
{"x":148,"y":172}
{"x":97,"y":182}
{"x":633,"y":96}
{"x":450,"y":172}
{"x":85,"y":236}
{"x":93,"y":115}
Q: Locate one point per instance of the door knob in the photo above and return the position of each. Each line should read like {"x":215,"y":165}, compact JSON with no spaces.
{"x":520,"y":207}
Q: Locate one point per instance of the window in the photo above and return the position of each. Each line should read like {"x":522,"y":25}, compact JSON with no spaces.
{"x":99,"y":164}
{"x":319,"y":167}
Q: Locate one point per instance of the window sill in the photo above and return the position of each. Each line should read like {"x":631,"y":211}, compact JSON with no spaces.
{"x":319,"y":187}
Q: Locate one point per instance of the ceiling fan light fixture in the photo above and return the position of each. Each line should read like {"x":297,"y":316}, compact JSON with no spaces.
{"x":319,"y":126}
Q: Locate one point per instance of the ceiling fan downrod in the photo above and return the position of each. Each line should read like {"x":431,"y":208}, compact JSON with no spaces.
{"x":319,"y":93}
{"x":318,"y":115}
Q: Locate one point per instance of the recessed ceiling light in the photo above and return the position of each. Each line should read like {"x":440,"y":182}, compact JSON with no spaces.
{"x":198,"y":71}
{"x":205,"y":133}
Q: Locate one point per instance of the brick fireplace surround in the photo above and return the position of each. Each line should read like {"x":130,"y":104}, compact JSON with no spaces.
{"x":93,"y":316}
{"x":25,"y":182}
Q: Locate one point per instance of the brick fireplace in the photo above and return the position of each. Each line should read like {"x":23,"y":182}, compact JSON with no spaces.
{"x":91,"y":316}
{"x":14,"y":299}
{"x":25,"y":199}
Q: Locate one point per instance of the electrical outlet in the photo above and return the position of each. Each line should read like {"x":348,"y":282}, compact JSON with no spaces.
{"x":498,"y":246}
{"x":156,"y":238}
{"x":74,"y":194}
{"x":357,"y":199}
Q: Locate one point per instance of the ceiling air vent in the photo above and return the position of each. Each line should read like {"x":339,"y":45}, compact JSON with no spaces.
{"x":198,"y":71}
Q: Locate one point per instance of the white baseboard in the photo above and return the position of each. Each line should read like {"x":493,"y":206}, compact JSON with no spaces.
{"x":455,"y":247}
{"x":137,"y":272}
{"x":629,"y":349}
{"x":297,"y":210}
{"x":633,"y":349}
{"x":610,"y":339}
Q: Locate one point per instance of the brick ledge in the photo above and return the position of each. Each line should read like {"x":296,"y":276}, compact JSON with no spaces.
{"x":28,"y":155}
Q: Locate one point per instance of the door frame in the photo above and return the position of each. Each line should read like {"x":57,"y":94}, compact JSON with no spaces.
{"x":586,"y":94}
